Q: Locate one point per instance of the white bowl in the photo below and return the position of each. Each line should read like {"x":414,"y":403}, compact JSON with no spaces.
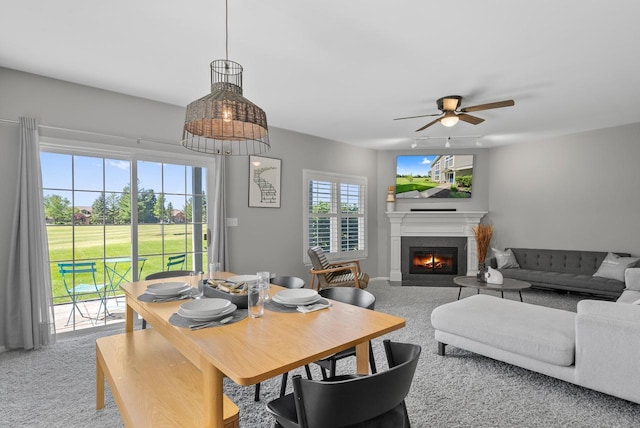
{"x":243,"y":278}
{"x":297,"y":295}
{"x":228,"y":310}
{"x":166,"y":288}
{"x":205,"y":307}
{"x":311,"y":300}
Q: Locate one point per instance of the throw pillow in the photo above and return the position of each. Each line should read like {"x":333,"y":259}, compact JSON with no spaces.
{"x":613,"y":266}
{"x":506,"y":259}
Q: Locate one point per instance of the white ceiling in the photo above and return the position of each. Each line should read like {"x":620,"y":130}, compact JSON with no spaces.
{"x":344,"y":69}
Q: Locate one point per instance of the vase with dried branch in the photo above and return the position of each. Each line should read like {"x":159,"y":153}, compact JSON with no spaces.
{"x":483,"y":234}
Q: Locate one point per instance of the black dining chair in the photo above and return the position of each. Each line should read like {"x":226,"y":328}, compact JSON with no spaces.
{"x":287,"y":282}
{"x":163,"y":275}
{"x":375,"y":400}
{"x":352,"y":296}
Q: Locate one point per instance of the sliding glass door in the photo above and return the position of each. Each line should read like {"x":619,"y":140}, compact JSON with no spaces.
{"x":96,"y":239}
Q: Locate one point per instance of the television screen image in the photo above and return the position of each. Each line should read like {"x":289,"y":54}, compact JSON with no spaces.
{"x":434,"y":176}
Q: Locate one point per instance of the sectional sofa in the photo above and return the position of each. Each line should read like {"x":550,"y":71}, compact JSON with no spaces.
{"x":597,"y":347}
{"x":566,"y":270}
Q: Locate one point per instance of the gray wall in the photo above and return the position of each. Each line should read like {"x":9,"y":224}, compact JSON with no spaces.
{"x":578,"y":192}
{"x":265,"y":239}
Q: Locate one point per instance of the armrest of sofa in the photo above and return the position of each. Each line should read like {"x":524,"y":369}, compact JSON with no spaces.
{"x":632,"y":279}
{"x":607,"y":348}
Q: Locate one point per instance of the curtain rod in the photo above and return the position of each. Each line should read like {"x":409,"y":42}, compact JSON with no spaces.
{"x":56,"y":128}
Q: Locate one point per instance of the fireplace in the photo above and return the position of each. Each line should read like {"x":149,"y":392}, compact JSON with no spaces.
{"x":433,"y":228}
{"x":433,"y":260}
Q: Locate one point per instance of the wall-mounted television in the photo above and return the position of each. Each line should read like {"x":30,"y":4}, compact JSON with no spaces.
{"x":434,"y":176}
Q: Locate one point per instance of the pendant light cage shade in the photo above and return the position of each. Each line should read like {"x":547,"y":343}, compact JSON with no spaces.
{"x":224,"y":122}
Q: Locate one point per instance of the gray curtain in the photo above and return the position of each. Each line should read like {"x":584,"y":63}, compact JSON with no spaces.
{"x":217,"y":238}
{"x":28,"y":319}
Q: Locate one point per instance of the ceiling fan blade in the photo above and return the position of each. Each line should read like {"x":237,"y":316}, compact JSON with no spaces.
{"x":428,"y":124}
{"x":499,"y":104}
{"x":470,"y":119}
{"x":413,"y":117}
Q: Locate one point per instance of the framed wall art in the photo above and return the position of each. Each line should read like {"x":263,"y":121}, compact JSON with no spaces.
{"x":264,"y":182}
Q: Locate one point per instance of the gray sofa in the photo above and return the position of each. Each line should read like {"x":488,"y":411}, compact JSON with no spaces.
{"x":567,"y":270}
{"x":597,"y":347}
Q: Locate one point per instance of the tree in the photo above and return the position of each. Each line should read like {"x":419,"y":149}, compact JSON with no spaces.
{"x":98,"y":209}
{"x":124,"y":206}
{"x":170,"y":212}
{"x":146,"y":204}
{"x":159,"y":209}
{"x":58,"y":209}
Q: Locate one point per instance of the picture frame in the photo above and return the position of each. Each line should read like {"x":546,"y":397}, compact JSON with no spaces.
{"x":264,"y":182}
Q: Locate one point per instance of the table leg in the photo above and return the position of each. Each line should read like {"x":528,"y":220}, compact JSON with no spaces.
{"x":213,"y":394}
{"x":502,"y":294}
{"x":459,"y":291}
{"x":520,"y":292}
{"x":99,"y":382}
{"x":128,"y":317}
{"x":362,"y":358}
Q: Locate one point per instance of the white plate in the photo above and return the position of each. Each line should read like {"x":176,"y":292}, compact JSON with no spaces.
{"x":297,"y":295}
{"x":293,"y":305}
{"x":222,"y":314}
{"x":204,"y":307}
{"x":166,"y":288}
{"x":243,"y":278}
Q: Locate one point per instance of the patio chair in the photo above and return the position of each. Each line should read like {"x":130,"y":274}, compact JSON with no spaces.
{"x":79,"y":279}
{"x":174,"y":261}
{"x":342,"y":274}
{"x":375,"y":400}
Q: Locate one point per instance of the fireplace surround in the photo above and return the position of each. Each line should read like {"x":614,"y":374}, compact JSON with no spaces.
{"x":444,"y":228}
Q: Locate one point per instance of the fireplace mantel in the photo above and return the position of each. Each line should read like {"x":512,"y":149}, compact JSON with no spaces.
{"x":432,"y":223}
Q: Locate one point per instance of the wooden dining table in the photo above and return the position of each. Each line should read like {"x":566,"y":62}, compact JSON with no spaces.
{"x":254,"y":350}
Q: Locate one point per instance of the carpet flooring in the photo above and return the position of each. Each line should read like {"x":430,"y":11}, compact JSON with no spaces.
{"x":54,"y":387}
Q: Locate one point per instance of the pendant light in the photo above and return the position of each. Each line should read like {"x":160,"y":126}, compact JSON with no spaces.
{"x":224,"y":122}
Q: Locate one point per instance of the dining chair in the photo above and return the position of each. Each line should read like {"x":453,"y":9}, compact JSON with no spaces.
{"x":173,"y":261}
{"x":162,"y":275}
{"x":79,"y":279}
{"x":287,"y":282}
{"x":375,"y":400}
{"x":343,"y":274}
{"x":352,"y":296}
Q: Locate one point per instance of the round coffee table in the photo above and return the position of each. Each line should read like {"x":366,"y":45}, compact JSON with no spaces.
{"x":508,"y":284}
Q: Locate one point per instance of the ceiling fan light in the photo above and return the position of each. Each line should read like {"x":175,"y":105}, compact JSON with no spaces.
{"x":449,"y":119}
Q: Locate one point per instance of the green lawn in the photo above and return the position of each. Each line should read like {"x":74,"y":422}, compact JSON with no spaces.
{"x":420,"y":184}
{"x":97,"y":243}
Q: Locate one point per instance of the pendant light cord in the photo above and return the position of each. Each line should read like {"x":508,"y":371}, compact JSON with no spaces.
{"x":226,"y":29}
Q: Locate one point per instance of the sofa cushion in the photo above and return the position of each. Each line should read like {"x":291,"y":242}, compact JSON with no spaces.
{"x":505,"y":259}
{"x":614,"y":266}
{"x":632,"y":279}
{"x":544,"y":334}
{"x":628,"y":296}
{"x":567,"y":281}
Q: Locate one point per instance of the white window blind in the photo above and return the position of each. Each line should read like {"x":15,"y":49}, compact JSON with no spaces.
{"x":335,"y":214}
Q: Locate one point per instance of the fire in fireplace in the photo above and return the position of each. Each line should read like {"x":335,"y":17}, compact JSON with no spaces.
{"x":433,"y":260}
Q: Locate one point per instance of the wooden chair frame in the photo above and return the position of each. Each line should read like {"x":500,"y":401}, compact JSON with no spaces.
{"x":352,"y":265}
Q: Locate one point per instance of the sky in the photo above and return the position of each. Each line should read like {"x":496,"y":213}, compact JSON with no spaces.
{"x":93,"y":175}
{"x":414,"y":164}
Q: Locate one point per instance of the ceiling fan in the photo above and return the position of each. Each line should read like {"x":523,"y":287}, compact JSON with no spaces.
{"x":452,"y":113}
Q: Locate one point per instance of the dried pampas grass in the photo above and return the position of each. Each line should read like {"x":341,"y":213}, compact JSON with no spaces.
{"x":483,"y":234}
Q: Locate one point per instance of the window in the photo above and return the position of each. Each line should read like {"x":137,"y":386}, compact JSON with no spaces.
{"x":335,"y":214}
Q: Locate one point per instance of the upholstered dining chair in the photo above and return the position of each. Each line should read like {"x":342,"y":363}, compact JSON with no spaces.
{"x":375,"y":400}
{"x":163,"y":275}
{"x":342,"y":274}
{"x":287,"y":282}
